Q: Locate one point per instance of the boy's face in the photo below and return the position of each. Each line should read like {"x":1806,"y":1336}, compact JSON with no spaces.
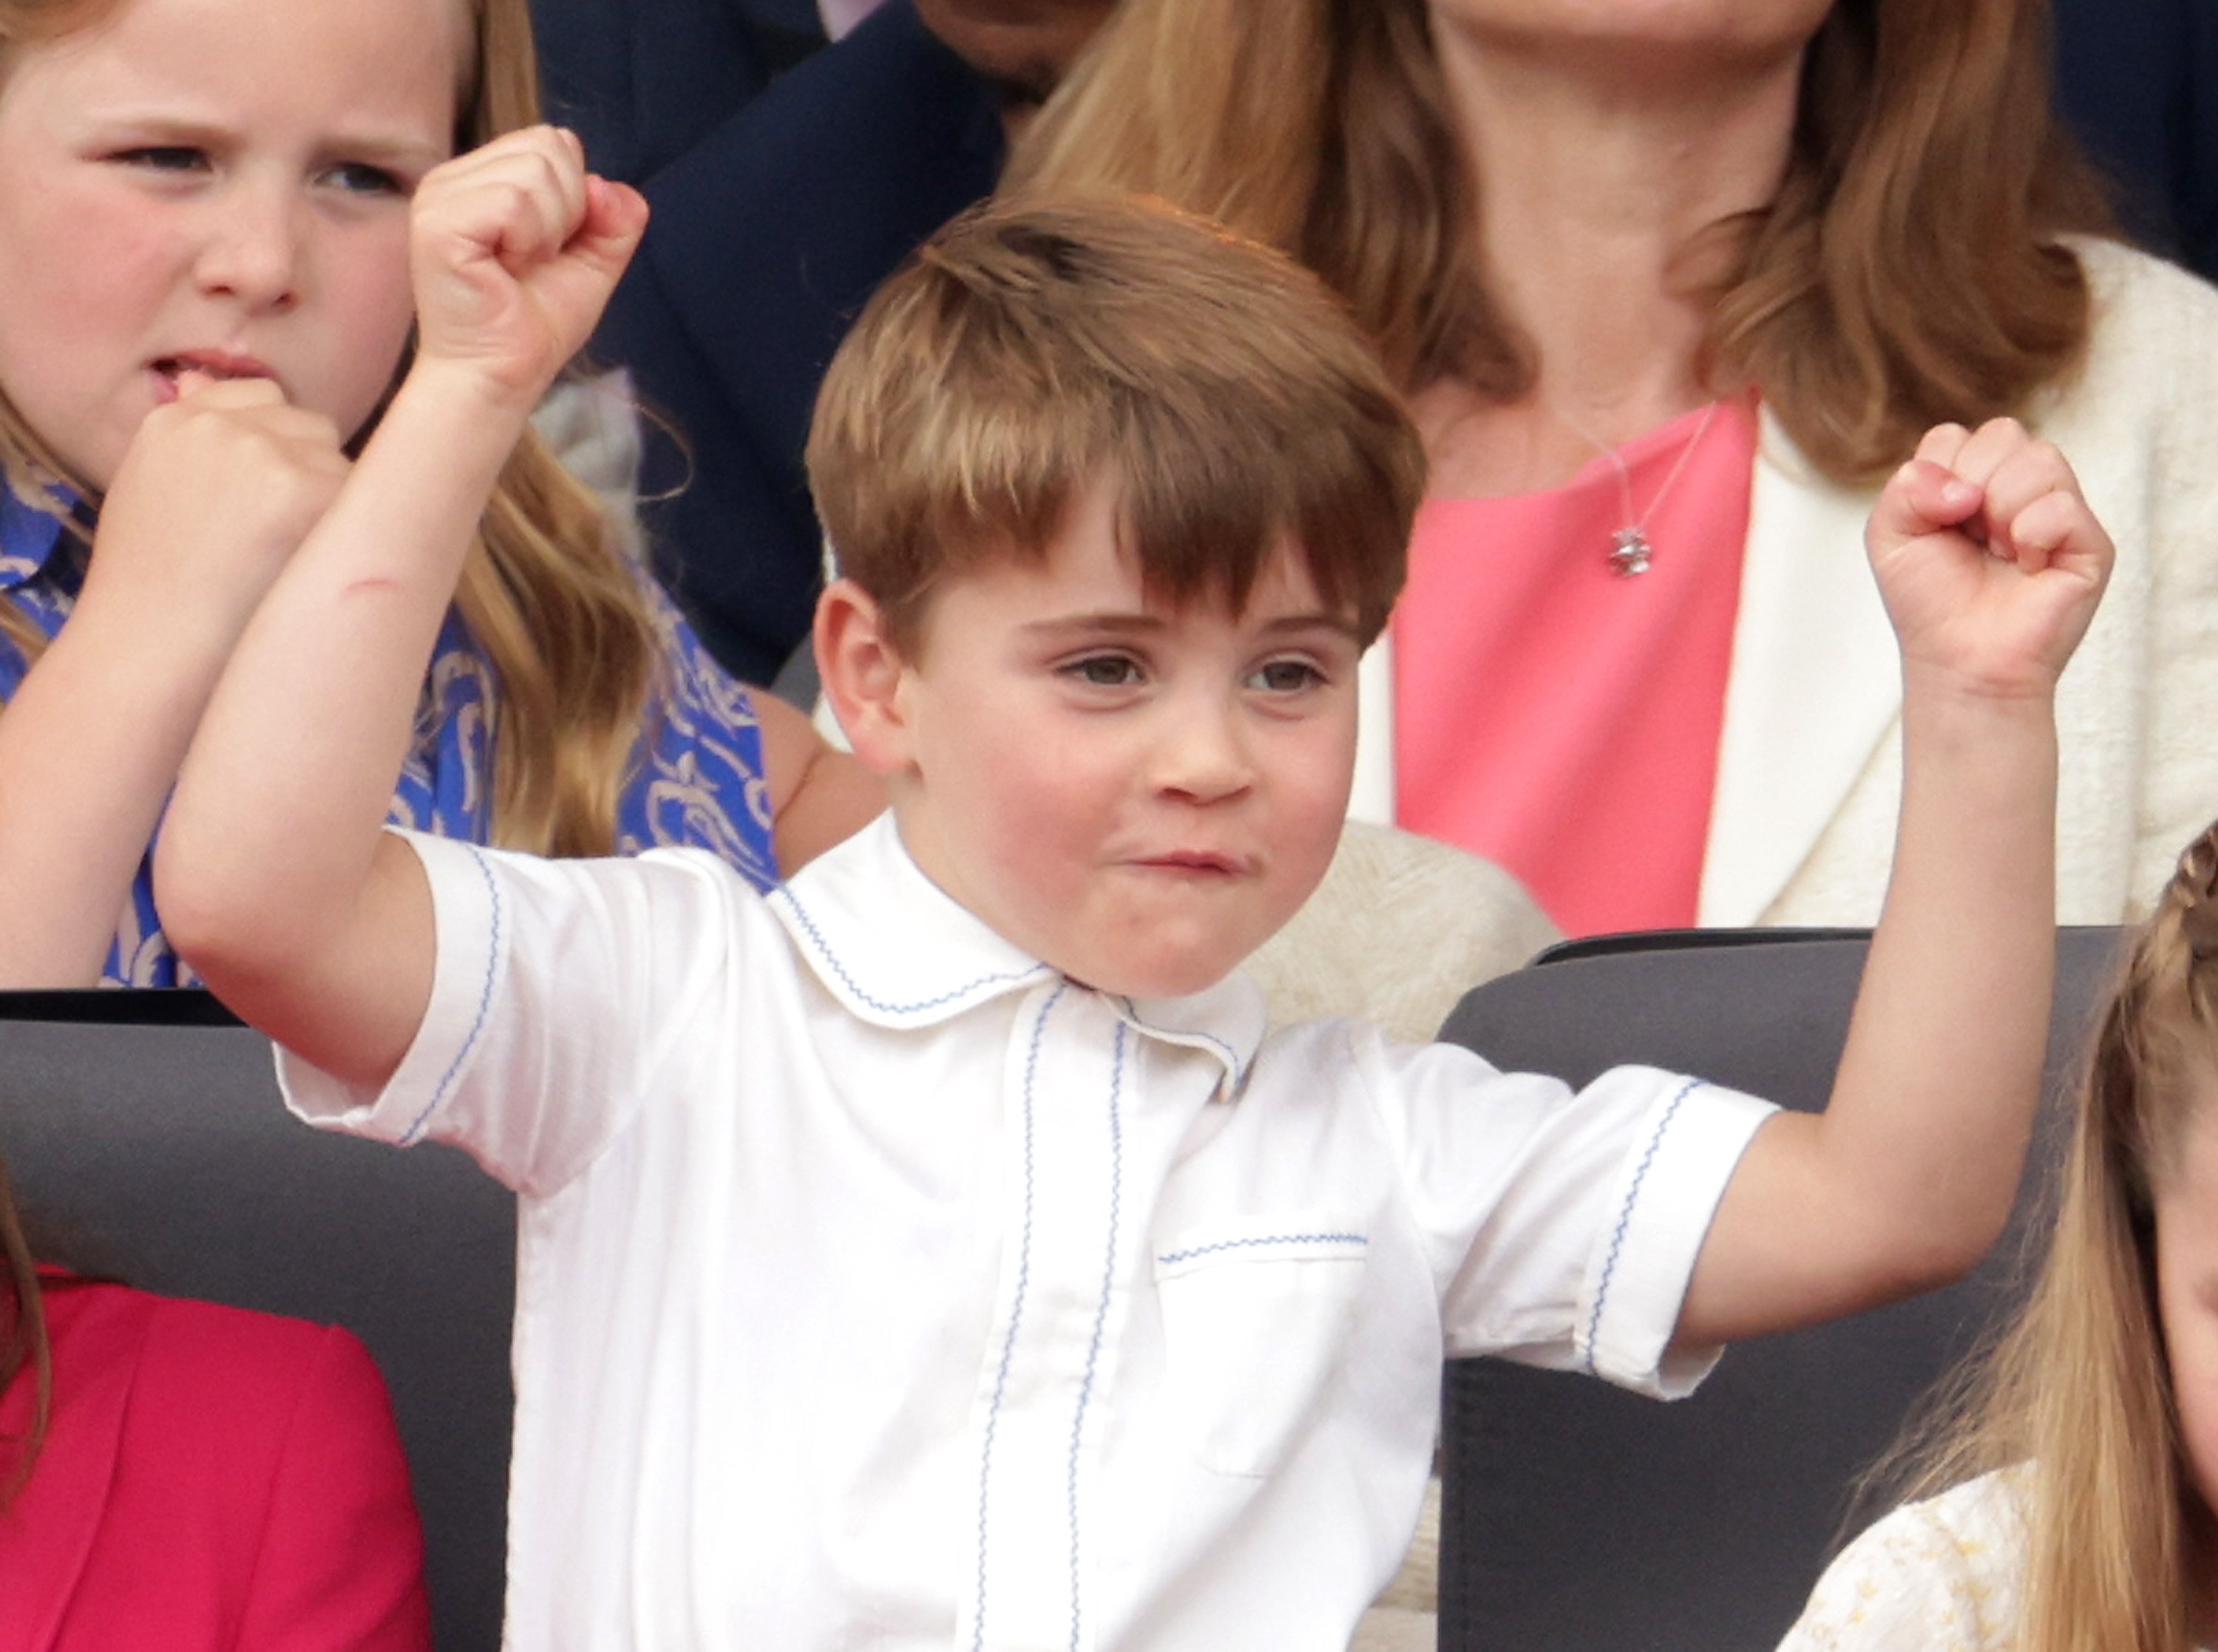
{"x":1136,"y":794}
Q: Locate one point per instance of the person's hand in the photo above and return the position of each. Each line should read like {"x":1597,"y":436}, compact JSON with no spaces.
{"x":1988,"y":558}
{"x":515,"y":248}
{"x":215,"y":493}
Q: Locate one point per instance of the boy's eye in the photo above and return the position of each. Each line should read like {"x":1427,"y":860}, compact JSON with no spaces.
{"x":1286,"y":676}
{"x":358,"y":178}
{"x":164,"y":157}
{"x":1105,"y":671}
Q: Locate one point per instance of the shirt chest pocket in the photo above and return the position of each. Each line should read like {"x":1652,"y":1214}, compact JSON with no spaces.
{"x":1256,"y":1321}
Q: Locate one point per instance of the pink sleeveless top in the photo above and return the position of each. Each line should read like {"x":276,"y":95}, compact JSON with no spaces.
{"x":1556,"y":716}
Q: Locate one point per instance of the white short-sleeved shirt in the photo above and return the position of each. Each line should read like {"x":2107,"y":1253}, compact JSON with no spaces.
{"x":1946,"y":1574}
{"x":879,"y":1286}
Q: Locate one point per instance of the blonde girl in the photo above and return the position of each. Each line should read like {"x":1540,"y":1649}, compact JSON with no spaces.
{"x":2070,"y":1496}
{"x":205,"y":254}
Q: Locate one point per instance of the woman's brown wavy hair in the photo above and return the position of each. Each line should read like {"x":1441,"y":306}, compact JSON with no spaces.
{"x":1910,"y":270}
{"x":548,"y":597}
{"x":22,"y":1345}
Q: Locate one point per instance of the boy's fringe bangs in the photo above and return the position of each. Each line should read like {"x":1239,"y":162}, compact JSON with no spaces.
{"x":1076,"y":343}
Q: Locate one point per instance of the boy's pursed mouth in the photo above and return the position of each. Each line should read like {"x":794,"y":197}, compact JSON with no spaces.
{"x":1195,"y":862}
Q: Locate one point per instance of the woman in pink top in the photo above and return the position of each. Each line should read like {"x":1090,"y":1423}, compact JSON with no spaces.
{"x":1673,"y":287}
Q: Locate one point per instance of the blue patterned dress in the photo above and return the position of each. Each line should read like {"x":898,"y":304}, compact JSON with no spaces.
{"x":697,"y":771}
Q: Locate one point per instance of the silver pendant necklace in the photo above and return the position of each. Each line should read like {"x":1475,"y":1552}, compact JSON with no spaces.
{"x":1630,"y":552}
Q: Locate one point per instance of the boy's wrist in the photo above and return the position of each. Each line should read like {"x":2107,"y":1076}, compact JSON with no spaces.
{"x":1944,"y":708}
{"x":1975,"y":693}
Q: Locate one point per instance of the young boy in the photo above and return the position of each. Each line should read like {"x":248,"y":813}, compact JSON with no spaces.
{"x":939,"y":1251}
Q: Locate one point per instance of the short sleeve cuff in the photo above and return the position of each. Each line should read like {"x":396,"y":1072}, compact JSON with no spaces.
{"x":468,"y":926}
{"x":1664,"y":1197}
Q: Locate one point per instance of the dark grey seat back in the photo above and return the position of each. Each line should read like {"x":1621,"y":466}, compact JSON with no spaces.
{"x":1577,"y":1516}
{"x":158,"y":1154}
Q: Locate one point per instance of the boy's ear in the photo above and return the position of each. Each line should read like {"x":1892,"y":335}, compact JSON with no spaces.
{"x":863,"y":676}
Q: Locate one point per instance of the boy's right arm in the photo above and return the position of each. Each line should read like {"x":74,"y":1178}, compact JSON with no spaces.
{"x":276,"y":881}
{"x":1991,"y":564}
{"x":215,"y":492}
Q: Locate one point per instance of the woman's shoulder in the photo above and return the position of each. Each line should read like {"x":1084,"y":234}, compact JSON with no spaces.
{"x":2151,"y":316}
{"x":262,"y":1448}
{"x":227,"y":1362}
{"x":1940,"y":1573}
{"x":2136,"y":418}
{"x":2122,"y":273}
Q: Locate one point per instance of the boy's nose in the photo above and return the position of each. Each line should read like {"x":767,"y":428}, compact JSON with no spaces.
{"x":1203,"y":754}
{"x":252,"y":249}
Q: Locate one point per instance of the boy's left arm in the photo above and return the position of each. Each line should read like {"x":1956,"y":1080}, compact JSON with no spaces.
{"x":1990,"y":563}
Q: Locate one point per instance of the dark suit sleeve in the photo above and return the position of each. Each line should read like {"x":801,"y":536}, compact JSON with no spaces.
{"x":766,"y":238}
{"x":341,"y":1559}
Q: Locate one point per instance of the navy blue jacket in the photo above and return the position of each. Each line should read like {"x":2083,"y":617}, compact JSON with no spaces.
{"x":642,"y":81}
{"x":2137,"y":81}
{"x":766,"y":238}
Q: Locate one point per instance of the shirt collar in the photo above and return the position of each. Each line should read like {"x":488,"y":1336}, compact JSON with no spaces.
{"x":897,"y":952}
{"x":28,"y":538}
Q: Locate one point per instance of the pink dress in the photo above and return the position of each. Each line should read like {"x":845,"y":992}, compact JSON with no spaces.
{"x":1558,"y":717}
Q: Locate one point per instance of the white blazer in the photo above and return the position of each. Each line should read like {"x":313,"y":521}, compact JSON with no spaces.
{"x":1810,"y":758}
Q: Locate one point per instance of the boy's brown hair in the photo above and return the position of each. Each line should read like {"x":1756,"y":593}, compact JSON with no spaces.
{"x":1032,"y":347}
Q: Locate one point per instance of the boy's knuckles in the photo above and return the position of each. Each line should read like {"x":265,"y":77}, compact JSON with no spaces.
{"x":1941,"y":443}
{"x":2036,"y":474}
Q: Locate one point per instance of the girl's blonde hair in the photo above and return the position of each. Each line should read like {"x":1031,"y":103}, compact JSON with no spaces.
{"x":550,"y":599}
{"x":2078,"y":1390}
{"x":1909,"y":272}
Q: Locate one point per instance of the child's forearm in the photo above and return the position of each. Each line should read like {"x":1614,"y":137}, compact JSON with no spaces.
{"x":1933,"y":1101}
{"x":88,"y":746}
{"x":270,"y":874}
{"x":276,"y":879}
{"x":1935,"y":1098}
{"x":1908,"y":1176}
{"x":216,"y":491}
{"x":1991,"y":564}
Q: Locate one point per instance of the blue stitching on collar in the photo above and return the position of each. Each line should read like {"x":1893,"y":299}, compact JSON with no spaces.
{"x":1100,"y":1316}
{"x":1270,"y":1239}
{"x":824,"y":950}
{"x":1174,"y":1034}
{"x":409,"y":1136}
{"x":1625,"y":1218}
{"x":1016,"y":1314}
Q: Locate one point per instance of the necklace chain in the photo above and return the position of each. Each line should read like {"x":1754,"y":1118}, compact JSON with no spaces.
{"x":1631,"y":551}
